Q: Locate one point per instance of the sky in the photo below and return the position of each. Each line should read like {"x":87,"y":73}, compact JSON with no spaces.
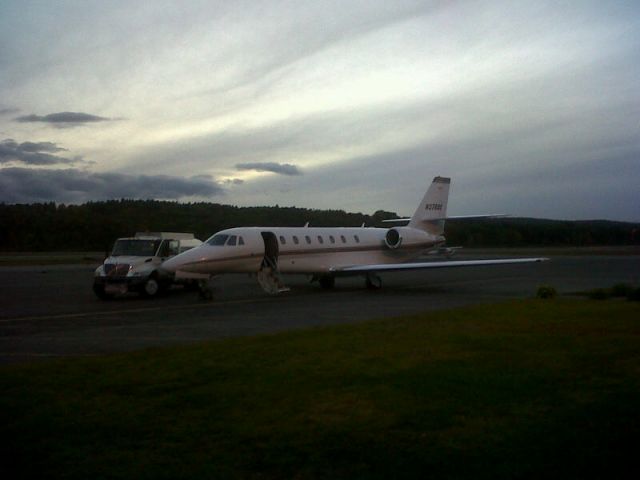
{"x":532,"y":108}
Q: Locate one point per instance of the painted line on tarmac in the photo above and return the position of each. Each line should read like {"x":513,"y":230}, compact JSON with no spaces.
{"x":202,"y":304}
{"x":136,"y":310}
{"x":205,"y":304}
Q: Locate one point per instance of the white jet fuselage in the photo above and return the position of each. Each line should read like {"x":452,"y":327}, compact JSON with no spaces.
{"x":304,"y":250}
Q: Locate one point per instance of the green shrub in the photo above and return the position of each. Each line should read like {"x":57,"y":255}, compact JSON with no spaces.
{"x":598,"y":294}
{"x":634,"y":294}
{"x":621,"y":290}
{"x":546,"y":291}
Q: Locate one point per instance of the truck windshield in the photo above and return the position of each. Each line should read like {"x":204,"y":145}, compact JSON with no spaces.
{"x":136,"y":248}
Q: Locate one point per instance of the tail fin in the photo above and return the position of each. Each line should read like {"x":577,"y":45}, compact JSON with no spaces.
{"x":432,"y":210}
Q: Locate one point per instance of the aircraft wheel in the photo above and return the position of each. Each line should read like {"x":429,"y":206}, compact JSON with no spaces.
{"x":373,"y":282}
{"x":205,"y":292}
{"x":327,"y":282}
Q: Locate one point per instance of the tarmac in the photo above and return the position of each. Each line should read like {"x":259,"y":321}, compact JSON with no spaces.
{"x":50,"y":311}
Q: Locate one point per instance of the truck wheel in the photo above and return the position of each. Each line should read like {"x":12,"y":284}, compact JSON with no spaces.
{"x":151,"y":287}
{"x":98,"y":289}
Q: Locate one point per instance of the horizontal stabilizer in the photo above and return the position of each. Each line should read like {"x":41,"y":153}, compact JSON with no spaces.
{"x":487,"y":215}
{"x":396,"y":220}
{"x":451,"y":217}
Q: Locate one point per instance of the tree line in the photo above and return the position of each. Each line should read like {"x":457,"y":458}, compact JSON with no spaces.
{"x":94,"y":226}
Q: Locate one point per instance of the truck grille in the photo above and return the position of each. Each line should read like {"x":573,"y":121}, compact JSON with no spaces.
{"x":116,"y":269}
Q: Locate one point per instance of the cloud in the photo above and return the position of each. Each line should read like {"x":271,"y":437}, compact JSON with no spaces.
{"x":41,"y":147}
{"x":233,"y":181}
{"x":8,"y":111}
{"x":316,"y":29}
{"x":27,"y":185}
{"x":63,"y":119}
{"x":273,"y":167}
{"x":31,"y":153}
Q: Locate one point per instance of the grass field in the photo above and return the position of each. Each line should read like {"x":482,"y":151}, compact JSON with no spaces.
{"x":527,"y":389}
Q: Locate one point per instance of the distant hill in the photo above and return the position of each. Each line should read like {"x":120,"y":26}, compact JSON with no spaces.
{"x":94,"y":226}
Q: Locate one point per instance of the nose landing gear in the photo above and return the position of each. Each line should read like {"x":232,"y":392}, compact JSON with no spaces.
{"x":205,"y":288}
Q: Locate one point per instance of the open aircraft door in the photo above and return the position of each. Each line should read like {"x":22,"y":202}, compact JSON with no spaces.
{"x":269,"y":276}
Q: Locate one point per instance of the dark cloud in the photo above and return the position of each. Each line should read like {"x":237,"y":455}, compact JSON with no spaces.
{"x":27,"y":185}
{"x":41,"y":147}
{"x":8,"y":111}
{"x":63,"y":119}
{"x":280,"y":168}
{"x":31,"y":153}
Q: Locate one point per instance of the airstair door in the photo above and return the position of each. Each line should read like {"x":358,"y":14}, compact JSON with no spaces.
{"x":270,"y":250}
{"x":268,"y":275}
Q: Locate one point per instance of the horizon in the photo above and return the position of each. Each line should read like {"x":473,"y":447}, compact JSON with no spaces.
{"x":348,"y":212}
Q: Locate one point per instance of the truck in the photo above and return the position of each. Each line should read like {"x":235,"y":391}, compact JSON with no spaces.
{"x":134,"y":265}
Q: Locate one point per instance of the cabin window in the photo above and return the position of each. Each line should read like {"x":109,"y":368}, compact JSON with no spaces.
{"x":320,"y":240}
{"x":355,"y":237}
{"x":332,"y":239}
{"x":344,"y":240}
{"x":283,"y":240}
{"x":308,"y":239}
{"x":295,"y":240}
{"x":217,"y":240}
{"x":240,"y":241}
{"x":232,"y":241}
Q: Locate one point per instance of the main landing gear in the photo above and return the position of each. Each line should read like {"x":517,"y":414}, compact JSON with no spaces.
{"x":373,"y":282}
{"x":327,"y":282}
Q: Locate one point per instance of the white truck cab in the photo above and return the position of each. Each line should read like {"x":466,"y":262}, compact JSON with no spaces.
{"x":134,"y":264}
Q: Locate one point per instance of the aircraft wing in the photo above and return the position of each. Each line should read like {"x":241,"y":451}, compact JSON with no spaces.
{"x":391,"y":267}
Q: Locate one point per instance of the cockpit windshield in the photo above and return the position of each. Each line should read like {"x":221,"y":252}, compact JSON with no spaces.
{"x":136,"y":248}
{"x":217,"y":240}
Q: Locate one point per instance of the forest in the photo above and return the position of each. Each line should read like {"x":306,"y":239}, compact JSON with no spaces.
{"x":94,"y":226}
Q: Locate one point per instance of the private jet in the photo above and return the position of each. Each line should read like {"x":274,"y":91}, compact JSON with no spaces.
{"x":327,"y":253}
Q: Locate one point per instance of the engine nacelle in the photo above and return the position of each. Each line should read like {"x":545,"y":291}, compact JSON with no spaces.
{"x":393,"y":239}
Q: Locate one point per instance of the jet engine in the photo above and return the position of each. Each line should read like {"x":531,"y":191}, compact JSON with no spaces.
{"x":393,"y":239}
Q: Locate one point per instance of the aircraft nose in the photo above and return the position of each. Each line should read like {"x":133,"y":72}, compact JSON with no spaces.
{"x":182,"y":261}
{"x":171,"y":265}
